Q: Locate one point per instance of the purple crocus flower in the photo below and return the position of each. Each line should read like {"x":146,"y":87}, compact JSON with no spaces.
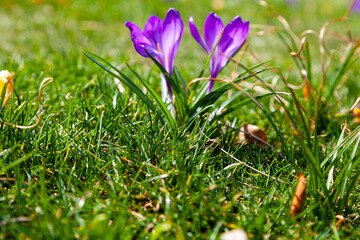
{"x":233,"y":37}
{"x":161,"y":39}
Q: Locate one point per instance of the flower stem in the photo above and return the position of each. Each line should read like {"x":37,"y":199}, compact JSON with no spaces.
{"x":169,"y":90}
{"x":210,"y":86}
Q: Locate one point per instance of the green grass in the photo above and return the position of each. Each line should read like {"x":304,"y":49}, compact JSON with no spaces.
{"x":103,"y":164}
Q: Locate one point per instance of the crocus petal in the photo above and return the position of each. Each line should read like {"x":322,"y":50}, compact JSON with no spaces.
{"x":233,"y":38}
{"x":141,"y":42}
{"x":356,"y":6}
{"x":171,"y":35}
{"x":213,"y":28}
{"x":152,"y":30}
{"x":195,"y":33}
{"x":215,"y":65}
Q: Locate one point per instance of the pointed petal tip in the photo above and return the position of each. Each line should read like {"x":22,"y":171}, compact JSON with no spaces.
{"x":237,"y":24}
{"x":247,"y":23}
{"x":246,"y":26}
{"x":213,"y":27}
{"x":213,"y":18}
{"x":239,"y":19}
{"x":127,"y":24}
{"x":173,"y":11}
{"x":130,"y":25}
{"x":214,"y":15}
{"x":195,"y":33}
{"x":172,"y":15}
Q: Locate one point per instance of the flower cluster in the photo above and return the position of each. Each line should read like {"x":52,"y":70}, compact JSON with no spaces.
{"x":161,"y":40}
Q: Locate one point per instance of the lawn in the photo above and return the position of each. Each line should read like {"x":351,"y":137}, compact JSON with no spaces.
{"x":88,"y":150}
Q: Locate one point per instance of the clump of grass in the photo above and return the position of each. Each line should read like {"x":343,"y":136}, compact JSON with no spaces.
{"x":330,"y":194}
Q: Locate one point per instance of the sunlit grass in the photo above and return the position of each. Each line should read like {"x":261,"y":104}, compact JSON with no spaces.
{"x":102,"y":164}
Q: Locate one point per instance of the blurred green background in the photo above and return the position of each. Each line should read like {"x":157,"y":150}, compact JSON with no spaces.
{"x":40,"y":29}
{"x":52,"y":34}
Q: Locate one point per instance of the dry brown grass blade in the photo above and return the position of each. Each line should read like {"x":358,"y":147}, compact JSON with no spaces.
{"x":297,"y":54}
{"x":291,"y":88}
{"x":267,"y":29}
{"x":43,"y":84}
{"x":349,"y":8}
{"x":282,"y":20}
{"x":299,"y":197}
{"x":323,"y":47}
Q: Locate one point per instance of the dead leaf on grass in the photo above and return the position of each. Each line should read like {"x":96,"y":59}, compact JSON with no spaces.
{"x":252,"y":134}
{"x":299,"y":197}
